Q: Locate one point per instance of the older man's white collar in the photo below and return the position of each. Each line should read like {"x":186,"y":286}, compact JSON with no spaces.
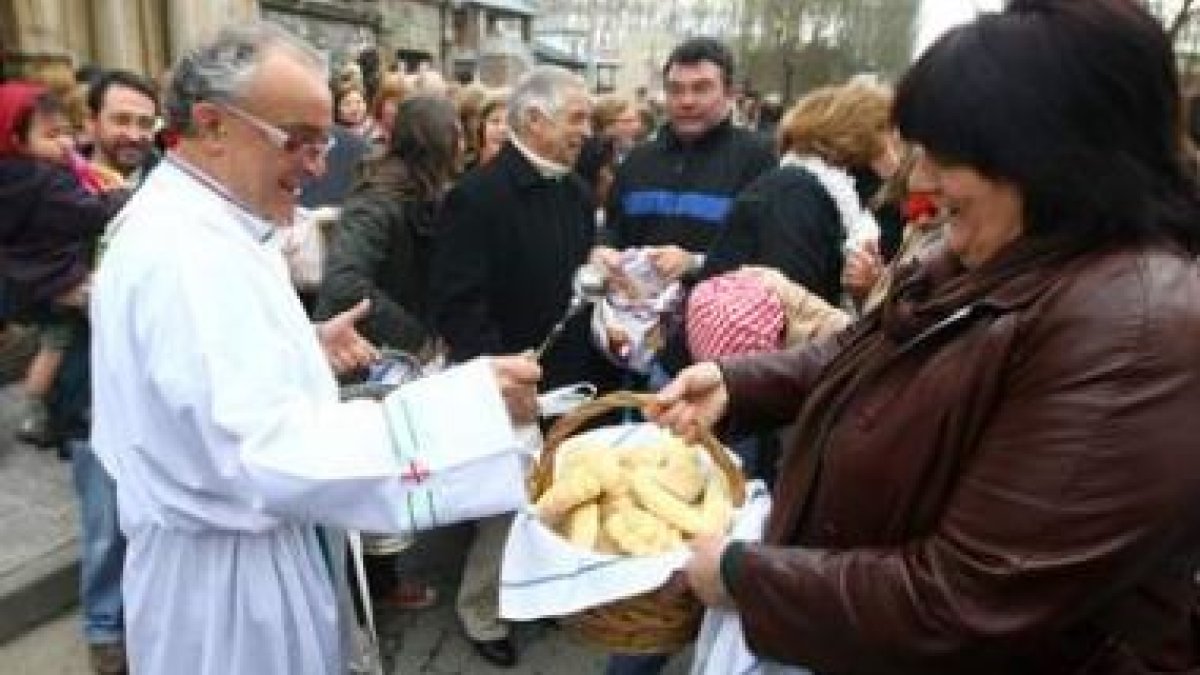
{"x":547,"y":168}
{"x":258,"y":227}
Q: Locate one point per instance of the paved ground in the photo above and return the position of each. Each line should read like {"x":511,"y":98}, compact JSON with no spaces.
{"x":38,"y":568}
{"x":428,"y":647}
{"x":53,"y":648}
{"x":413,"y":642}
{"x":38,"y":528}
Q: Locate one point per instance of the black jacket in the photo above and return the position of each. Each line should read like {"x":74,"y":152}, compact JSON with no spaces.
{"x":785,"y":220}
{"x":507,"y":250}
{"x":671,"y":192}
{"x":381,"y":249}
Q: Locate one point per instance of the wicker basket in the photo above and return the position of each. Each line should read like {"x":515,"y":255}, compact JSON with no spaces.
{"x":654,"y":622}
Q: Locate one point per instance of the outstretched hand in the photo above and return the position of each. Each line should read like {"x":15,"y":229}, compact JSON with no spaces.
{"x":671,"y":262}
{"x":345,"y":349}
{"x":694,"y":400}
{"x":864,"y":267}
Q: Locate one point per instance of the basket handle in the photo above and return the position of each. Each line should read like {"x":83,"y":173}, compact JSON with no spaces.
{"x":567,"y":425}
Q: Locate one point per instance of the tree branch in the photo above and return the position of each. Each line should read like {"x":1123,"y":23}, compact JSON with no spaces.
{"x":1181,"y":19}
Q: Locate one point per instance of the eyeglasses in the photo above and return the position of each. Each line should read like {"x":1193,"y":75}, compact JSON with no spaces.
{"x":128,"y":120}
{"x":311,"y":143}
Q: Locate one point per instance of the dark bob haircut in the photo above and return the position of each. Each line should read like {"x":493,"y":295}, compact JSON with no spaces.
{"x":1074,"y":102}
{"x":697,"y":50}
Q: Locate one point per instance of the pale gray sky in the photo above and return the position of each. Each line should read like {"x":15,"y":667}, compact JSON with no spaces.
{"x":939,"y":15}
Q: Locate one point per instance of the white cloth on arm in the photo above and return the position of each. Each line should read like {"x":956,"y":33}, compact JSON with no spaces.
{"x":218,"y":416}
{"x":721,"y":646}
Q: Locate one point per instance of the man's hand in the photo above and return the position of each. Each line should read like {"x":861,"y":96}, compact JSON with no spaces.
{"x":345,"y":349}
{"x":77,"y":297}
{"x":618,"y":342}
{"x":109,"y":180}
{"x":671,"y":261}
{"x":517,"y":377}
{"x":696,"y":399}
{"x":704,"y":571}
{"x":606,"y":257}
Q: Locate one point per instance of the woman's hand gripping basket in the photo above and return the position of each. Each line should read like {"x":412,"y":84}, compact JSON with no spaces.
{"x":647,"y":498}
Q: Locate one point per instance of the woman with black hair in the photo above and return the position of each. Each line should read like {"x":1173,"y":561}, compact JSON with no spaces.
{"x":380,"y":249}
{"x":996,"y":471}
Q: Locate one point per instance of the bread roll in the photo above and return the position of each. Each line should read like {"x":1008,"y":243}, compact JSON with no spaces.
{"x":636,"y":532}
{"x":582,"y":525}
{"x":570,"y":490}
{"x":681,"y":472}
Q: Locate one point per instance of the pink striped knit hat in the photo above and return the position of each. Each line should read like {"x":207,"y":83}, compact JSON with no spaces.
{"x":731,"y":314}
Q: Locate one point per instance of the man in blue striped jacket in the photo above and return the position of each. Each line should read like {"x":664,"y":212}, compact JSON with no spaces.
{"x":672,"y":193}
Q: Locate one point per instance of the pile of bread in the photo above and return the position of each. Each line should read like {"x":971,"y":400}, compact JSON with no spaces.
{"x":637,"y":500}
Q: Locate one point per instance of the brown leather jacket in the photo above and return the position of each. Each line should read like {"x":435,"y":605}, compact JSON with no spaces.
{"x":1012,"y":486}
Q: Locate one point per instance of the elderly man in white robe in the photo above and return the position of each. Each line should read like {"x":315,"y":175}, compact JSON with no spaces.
{"x":216,"y":407}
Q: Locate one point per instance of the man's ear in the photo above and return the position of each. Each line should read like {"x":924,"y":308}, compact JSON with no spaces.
{"x":536,"y":115}
{"x":207,"y":120}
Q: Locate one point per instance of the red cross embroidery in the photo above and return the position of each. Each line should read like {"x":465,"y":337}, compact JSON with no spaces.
{"x":416,"y":472}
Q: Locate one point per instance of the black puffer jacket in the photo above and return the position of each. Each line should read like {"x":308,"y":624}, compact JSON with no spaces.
{"x":381,"y":249}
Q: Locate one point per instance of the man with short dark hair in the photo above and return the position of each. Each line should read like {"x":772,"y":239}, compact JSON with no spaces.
{"x":671,"y":194}
{"x":122,"y":119}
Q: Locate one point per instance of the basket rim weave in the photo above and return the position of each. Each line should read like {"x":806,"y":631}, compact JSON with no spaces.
{"x":542,"y":474}
{"x":659,"y":621}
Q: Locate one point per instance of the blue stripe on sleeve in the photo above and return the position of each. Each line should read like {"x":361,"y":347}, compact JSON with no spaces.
{"x":705,"y":207}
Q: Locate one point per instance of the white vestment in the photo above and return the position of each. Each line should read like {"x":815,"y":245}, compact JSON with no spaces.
{"x":218,"y":416}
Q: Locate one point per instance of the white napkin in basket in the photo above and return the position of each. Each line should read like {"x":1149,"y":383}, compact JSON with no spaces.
{"x":542,"y":575}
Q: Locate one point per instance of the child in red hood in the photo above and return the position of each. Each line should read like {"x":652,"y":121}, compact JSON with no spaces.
{"x":53,"y":207}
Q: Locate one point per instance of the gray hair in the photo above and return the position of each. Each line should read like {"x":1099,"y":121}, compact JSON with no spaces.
{"x":543,"y":88}
{"x":221,"y":70}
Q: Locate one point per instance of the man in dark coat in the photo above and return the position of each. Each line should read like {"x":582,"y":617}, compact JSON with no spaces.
{"x":514,"y":232}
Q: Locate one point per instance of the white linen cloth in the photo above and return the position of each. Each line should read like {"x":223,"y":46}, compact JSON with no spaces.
{"x":218,"y":416}
{"x":721,"y":646}
{"x":545,"y":576}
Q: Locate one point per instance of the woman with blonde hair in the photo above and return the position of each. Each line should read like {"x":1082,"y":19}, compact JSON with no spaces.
{"x":470,"y":100}
{"x":617,"y":117}
{"x":804,"y":217}
{"x":387,"y":100}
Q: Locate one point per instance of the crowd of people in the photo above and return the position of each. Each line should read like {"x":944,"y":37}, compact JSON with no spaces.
{"x":950,"y":321}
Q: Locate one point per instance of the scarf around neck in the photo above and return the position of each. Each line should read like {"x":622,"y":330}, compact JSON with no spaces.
{"x":548,"y":169}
